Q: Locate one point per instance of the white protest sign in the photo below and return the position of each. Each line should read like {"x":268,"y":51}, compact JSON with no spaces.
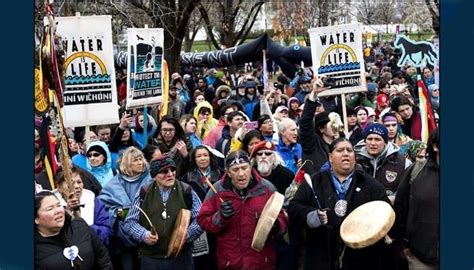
{"x":145,"y":68}
{"x":90,"y":95}
{"x":336,"y":52}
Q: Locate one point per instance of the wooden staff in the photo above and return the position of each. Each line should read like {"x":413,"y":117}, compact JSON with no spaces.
{"x":152,"y":228}
{"x":212,"y":188}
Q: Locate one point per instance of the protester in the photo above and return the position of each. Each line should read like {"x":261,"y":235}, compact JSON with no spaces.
{"x":417,"y":210}
{"x":288,"y":147}
{"x":315,"y":210}
{"x":172,"y":142}
{"x":99,"y":162}
{"x":395,"y":135}
{"x":203,"y":165}
{"x":204,"y":114}
{"x":175,"y":105}
{"x":55,"y":231}
{"x":138,"y":132}
{"x":244,"y":194}
{"x":215,"y":134}
{"x":117,"y":196}
{"x":381,"y":158}
{"x":235,"y":120}
{"x":410,"y":115}
{"x":84,"y":202}
{"x":162,"y":200}
{"x":104,"y":132}
{"x":316,"y":132}
{"x":189,"y":125}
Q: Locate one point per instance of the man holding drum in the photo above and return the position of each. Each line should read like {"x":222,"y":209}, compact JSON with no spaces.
{"x":320,"y":206}
{"x":159,"y":215}
{"x":232,"y":211}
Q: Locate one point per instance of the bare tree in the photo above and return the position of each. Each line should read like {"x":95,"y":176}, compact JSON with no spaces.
{"x":195,"y":23}
{"x":385,"y":12}
{"x":366,"y":12}
{"x":433,"y":7}
{"x":231,"y":21}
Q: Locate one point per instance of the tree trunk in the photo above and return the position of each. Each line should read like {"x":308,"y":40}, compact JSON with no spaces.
{"x":172,"y":53}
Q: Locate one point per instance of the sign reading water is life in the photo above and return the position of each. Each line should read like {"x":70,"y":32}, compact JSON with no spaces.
{"x":336,"y":52}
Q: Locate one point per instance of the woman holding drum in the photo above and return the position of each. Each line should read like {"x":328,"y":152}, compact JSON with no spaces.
{"x":321,"y":205}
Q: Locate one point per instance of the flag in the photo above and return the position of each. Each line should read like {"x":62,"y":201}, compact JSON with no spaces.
{"x":426,"y":112}
{"x":265,"y":72}
{"x":49,"y":153}
{"x":166,"y":83}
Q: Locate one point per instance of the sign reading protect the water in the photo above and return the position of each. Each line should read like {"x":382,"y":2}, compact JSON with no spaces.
{"x":90,"y":95}
{"x":336,"y":52}
{"x":145,"y":66}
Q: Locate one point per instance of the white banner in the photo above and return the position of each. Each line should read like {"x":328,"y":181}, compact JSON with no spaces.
{"x":145,"y":67}
{"x":90,"y":94}
{"x":336,"y":52}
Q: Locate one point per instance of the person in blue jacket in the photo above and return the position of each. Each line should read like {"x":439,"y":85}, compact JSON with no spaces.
{"x":117,"y":195}
{"x":287,"y":146}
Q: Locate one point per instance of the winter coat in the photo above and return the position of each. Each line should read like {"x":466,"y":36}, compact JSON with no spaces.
{"x":388,"y":168}
{"x":214,"y":135}
{"x":290,"y":155}
{"x":102,"y":173}
{"x":203,"y":130}
{"x":118,"y":194}
{"x":417,"y":212}
{"x":49,"y":250}
{"x":234,"y":235}
{"x":224,"y":143}
{"x":314,"y":147}
{"x":94,"y":214}
{"x":324,"y":244}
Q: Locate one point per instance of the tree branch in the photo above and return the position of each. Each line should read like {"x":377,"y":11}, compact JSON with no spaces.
{"x":205,"y":17}
{"x":257,"y":6}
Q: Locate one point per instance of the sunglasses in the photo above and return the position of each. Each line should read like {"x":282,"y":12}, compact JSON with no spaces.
{"x":168,"y":170}
{"x":95,"y":154}
{"x":264,"y":153}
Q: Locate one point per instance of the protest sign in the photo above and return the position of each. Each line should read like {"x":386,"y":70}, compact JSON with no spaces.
{"x":145,"y":69}
{"x":337,"y":54}
{"x":90,"y":95}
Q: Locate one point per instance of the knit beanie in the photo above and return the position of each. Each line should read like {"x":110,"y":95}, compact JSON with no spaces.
{"x":99,"y":149}
{"x":376,"y":128}
{"x":159,"y":165}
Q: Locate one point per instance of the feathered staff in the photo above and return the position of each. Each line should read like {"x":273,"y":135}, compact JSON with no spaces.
{"x":54,"y":72}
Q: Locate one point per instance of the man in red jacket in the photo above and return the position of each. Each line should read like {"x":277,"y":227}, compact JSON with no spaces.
{"x":232,"y":215}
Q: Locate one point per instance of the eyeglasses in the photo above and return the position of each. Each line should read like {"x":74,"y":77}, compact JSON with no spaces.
{"x":167,"y":130}
{"x":264,"y":153}
{"x":167,"y":170}
{"x":94,"y":154}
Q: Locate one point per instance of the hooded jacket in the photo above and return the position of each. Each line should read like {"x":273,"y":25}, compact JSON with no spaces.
{"x":234,"y":235}
{"x":118,"y":194}
{"x":102,"y":173}
{"x":388,"y":168}
{"x":203,"y":130}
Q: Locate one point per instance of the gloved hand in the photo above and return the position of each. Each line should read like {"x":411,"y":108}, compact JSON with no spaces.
{"x":227,"y":210}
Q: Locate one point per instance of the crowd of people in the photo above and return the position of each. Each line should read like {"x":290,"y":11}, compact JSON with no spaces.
{"x":222,"y":148}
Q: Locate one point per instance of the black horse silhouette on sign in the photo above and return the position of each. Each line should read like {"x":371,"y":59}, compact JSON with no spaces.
{"x":411,"y":49}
